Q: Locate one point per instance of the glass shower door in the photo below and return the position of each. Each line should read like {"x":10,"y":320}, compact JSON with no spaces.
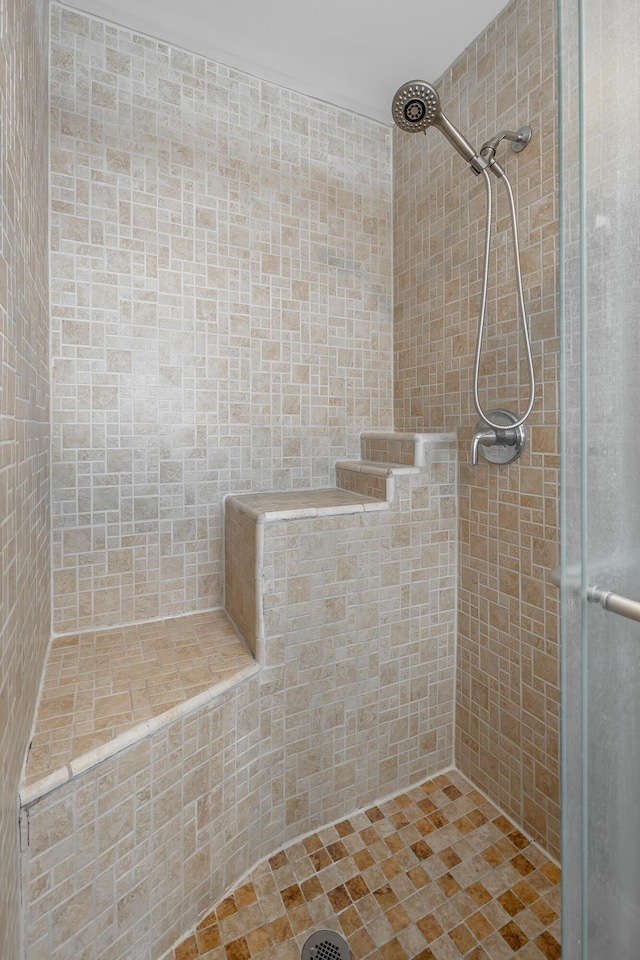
{"x":600,"y":164}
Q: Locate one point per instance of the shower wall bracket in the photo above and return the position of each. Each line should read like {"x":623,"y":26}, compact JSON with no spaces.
{"x":519,"y":140}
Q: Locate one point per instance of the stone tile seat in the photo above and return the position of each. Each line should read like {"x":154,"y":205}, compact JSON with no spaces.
{"x":169,"y":757}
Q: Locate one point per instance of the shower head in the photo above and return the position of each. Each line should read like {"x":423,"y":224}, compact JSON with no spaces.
{"x":416,"y":107}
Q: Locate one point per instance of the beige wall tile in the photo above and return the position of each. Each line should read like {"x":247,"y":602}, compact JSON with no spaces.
{"x":24,"y":416}
{"x":353,"y":702}
{"x":221,"y":291}
{"x":508,"y":671}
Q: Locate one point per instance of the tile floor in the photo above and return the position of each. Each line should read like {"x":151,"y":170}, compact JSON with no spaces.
{"x":100,"y":683}
{"x":436,"y":873}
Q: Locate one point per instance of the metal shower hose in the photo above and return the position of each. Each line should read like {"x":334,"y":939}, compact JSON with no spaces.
{"x":483,"y":304}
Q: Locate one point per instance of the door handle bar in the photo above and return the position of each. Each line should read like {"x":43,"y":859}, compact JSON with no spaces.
{"x":614,"y":602}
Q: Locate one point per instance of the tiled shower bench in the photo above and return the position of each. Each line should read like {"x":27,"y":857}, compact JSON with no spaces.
{"x":169,"y":757}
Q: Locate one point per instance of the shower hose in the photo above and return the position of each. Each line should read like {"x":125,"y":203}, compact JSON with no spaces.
{"x":483,"y":304}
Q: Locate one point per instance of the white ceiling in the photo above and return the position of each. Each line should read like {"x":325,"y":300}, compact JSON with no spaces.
{"x":353,"y":53}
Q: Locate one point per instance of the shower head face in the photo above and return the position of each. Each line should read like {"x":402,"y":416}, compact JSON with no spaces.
{"x":416,"y":106}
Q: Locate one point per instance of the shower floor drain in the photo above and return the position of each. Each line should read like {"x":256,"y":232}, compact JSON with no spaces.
{"x":326,"y":945}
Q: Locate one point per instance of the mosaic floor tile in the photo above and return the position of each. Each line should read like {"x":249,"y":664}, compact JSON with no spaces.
{"x":436,"y":873}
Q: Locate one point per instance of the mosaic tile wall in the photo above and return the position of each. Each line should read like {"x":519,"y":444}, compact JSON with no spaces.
{"x":221,"y":296}
{"x":24,"y":416}
{"x":117,"y":862}
{"x":354,"y":702}
{"x":508,"y":677}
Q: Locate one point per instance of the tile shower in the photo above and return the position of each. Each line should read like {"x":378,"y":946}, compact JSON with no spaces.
{"x":354,"y":695}
{"x":222,"y":283}
{"x":221,"y":310}
{"x":508,"y":692}
{"x":25,"y":599}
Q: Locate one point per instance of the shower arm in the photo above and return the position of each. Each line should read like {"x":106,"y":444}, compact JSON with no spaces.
{"x":519,"y":139}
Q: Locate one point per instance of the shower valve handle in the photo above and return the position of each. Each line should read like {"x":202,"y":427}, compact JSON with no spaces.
{"x":487,"y":438}
{"x":499,"y":437}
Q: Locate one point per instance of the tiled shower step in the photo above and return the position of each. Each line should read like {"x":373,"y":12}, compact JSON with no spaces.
{"x":248,"y":519}
{"x":402,"y":449}
{"x":362,"y":487}
{"x":385,"y":456}
{"x":375,"y":480}
{"x":300,"y":504}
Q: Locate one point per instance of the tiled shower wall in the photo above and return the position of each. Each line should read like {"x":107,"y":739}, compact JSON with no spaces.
{"x":24,"y":416}
{"x":353,"y":701}
{"x":221,"y":297}
{"x":508,"y":671}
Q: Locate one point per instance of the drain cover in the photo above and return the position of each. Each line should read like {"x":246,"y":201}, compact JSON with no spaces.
{"x":326,"y":945}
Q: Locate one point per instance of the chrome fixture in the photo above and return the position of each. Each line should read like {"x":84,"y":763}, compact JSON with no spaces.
{"x":326,"y":945}
{"x":614,"y":602}
{"x":415,"y":108}
{"x":519,"y":140}
{"x":498,"y":444}
{"x":608,"y":600}
{"x":518,"y":422}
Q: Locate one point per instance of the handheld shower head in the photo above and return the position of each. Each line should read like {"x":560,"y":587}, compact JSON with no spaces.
{"x":416,"y":107}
